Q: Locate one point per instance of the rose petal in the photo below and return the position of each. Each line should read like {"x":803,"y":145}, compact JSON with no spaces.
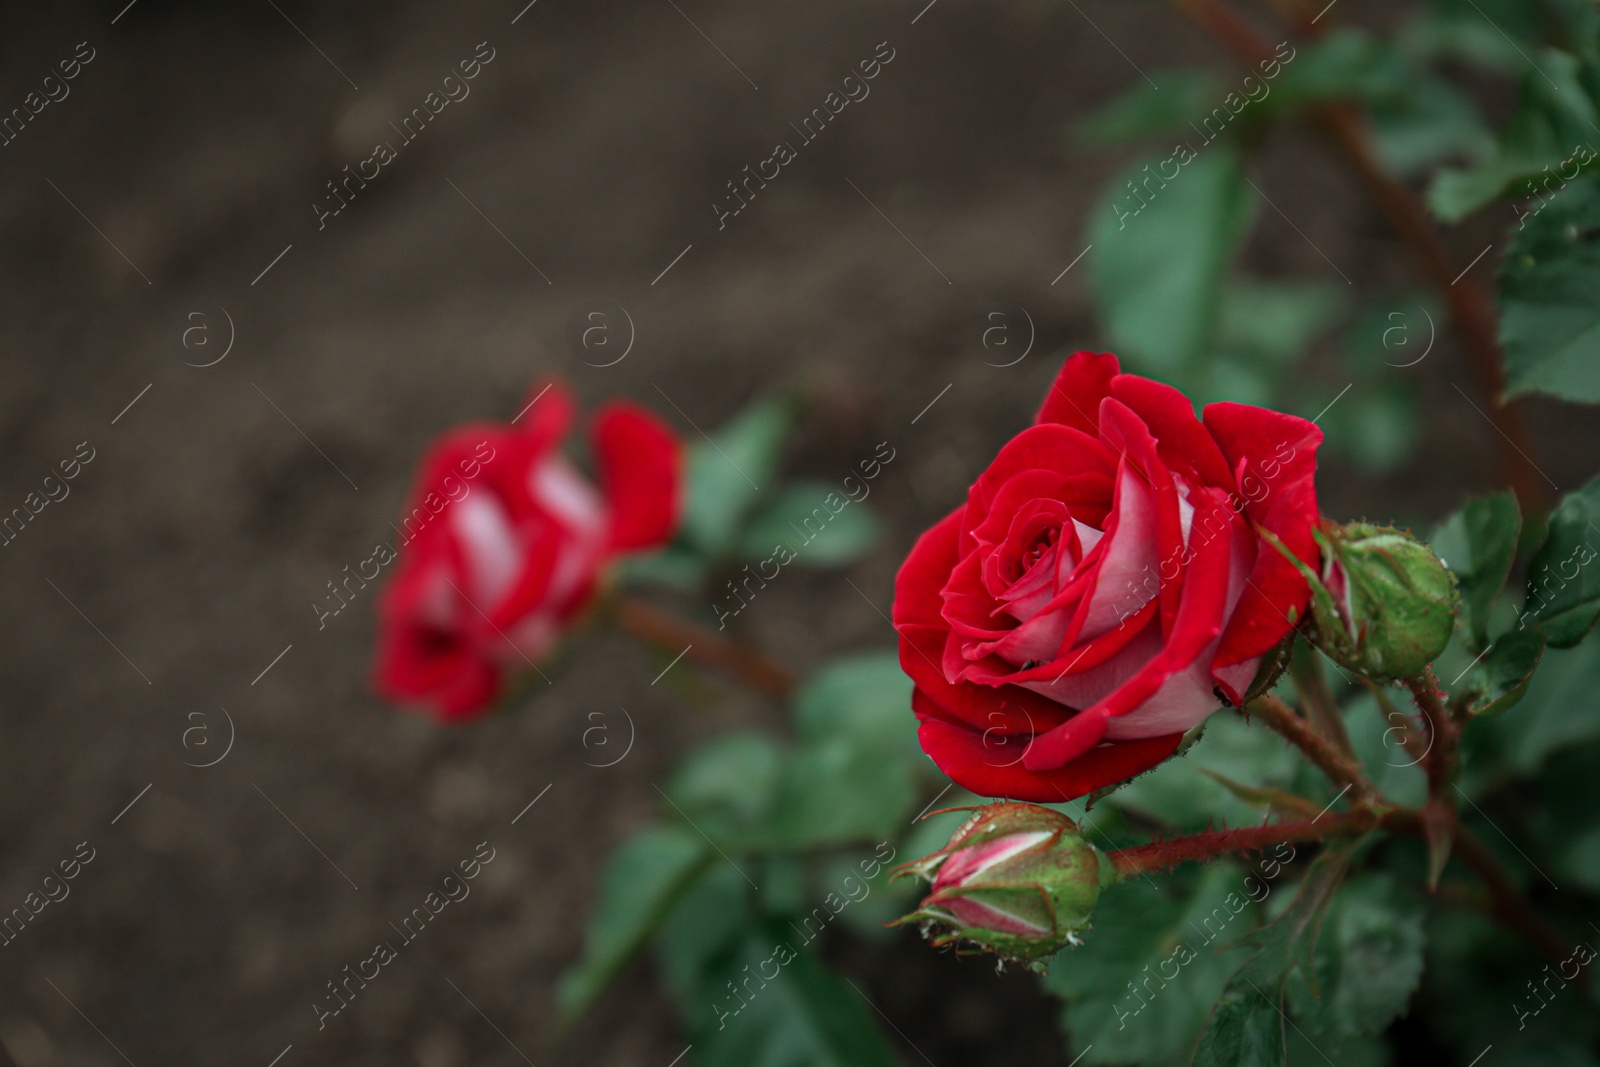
{"x":1085,"y":490}
{"x":1124,"y":432}
{"x":1281,"y":451}
{"x":1184,"y":444}
{"x":995,"y":768}
{"x":1046,"y":447}
{"x":640,"y":467}
{"x":924,"y":633}
{"x":1074,"y":397}
{"x":1197,"y":624}
{"x":1125,"y":577}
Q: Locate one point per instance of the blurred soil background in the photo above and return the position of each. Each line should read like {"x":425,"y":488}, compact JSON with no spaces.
{"x":588,"y":155}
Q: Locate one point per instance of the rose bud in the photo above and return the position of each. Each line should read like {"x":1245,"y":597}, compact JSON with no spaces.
{"x":1384,"y":603}
{"x":503,"y":542}
{"x":1016,"y":880}
{"x":1106,"y":585}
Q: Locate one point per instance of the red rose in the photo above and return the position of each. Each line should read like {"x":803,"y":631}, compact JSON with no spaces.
{"x":503,"y":541}
{"x":1104,"y":588}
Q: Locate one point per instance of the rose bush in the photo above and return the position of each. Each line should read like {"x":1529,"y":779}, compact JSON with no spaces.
{"x":1105,"y":587}
{"x":506,"y":541}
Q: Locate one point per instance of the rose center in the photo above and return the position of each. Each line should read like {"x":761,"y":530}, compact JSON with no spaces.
{"x":1042,"y":543}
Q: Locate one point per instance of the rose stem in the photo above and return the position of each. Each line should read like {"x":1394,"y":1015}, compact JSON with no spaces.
{"x":673,"y":635}
{"x":1506,"y":906}
{"x":1442,"y":827}
{"x":1339,"y":767}
{"x":1159,"y":855}
{"x":1312,"y":687}
{"x":1409,"y":730}
{"x":1471,"y":307}
{"x":1444,"y":732}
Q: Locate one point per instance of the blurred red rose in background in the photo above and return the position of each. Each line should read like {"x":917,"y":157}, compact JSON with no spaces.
{"x":504,"y":541}
{"x":1104,"y":588}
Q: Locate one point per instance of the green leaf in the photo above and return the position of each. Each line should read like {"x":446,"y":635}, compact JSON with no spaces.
{"x":1556,"y":713}
{"x":1418,"y":119}
{"x":726,"y":473}
{"x":1369,"y":964}
{"x":1501,"y":679}
{"x":835,"y":793}
{"x":1430,"y":122}
{"x":805,"y":1016}
{"x":1180,"y":793}
{"x":1478,"y":543}
{"x":1345,"y":64}
{"x":1539,"y":144}
{"x":1246,"y":1030}
{"x":1275,"y":322}
{"x":750,"y":993}
{"x":1481,"y":32}
{"x":1550,"y":321}
{"x":1377,"y":426}
{"x":882,"y":903}
{"x":1158,"y":264}
{"x":1369,"y":958}
{"x":1247,"y":1025}
{"x":727,"y":787}
{"x":1263,"y":798}
{"x":865,"y":698}
{"x":1139,"y":988}
{"x":1377,"y":422}
{"x":1563,"y":590}
{"x":1289,"y":941}
{"x":674,"y":567}
{"x":819,"y":525}
{"x":1143,"y":112}
{"x":643,"y":880}
{"x":852,"y":777}
{"x":701,"y":938}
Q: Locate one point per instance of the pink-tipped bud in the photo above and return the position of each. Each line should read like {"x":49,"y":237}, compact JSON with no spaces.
{"x":1016,"y":880}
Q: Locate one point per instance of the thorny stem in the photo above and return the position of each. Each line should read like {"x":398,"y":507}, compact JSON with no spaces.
{"x":1444,"y":732}
{"x":1471,"y":307}
{"x":673,"y":635}
{"x":1414,"y":745}
{"x":1312,"y":687}
{"x":1341,"y":768}
{"x":1159,"y":855}
{"x":1506,"y":905}
{"x":1439,"y":821}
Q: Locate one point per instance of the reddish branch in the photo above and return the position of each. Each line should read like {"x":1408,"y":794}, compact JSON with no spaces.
{"x":1507,"y":906}
{"x":1444,"y":732}
{"x":1471,"y":307}
{"x":1410,"y":734}
{"x":1339,"y":766}
{"x":1160,"y":855}
{"x":671,"y":634}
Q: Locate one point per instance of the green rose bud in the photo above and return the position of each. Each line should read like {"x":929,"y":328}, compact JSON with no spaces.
{"x":1016,"y":880}
{"x":1384,"y":603}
